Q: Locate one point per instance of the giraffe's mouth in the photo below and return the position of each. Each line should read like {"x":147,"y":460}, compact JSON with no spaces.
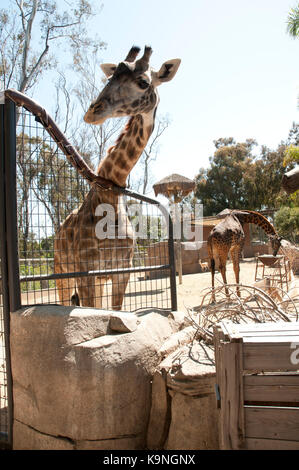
{"x":92,"y":118}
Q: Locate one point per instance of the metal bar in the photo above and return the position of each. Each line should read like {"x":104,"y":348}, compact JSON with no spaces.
{"x":171,"y":256}
{"x":100,"y":272}
{"x":5,"y":285}
{"x":174,"y":303}
{"x":11,"y":204}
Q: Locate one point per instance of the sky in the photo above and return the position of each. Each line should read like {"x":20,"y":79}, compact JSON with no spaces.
{"x":239,"y":74}
{"x":238,"y":77}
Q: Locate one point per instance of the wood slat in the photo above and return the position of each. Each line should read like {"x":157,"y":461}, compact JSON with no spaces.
{"x":235,"y":330}
{"x":261,"y":337}
{"x":268,"y":357}
{"x":270,"y":444}
{"x":271,"y":388}
{"x":231,"y":391}
{"x":272,"y":423}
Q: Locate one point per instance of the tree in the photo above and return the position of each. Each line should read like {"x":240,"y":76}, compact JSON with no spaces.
{"x":293,"y":22}
{"x":287,"y":223}
{"x":32,"y":33}
{"x":23,"y":58}
{"x":222,"y":184}
{"x":237,"y":179}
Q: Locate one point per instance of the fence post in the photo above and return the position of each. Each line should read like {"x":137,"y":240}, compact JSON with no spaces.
{"x":171,"y":256}
{"x":5,"y":431}
{"x":11,"y":204}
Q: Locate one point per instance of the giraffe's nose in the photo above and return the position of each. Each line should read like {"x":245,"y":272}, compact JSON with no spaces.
{"x":96,"y":113}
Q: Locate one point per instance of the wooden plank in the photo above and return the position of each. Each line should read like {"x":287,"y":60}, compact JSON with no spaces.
{"x":270,"y":444}
{"x":232,"y":330}
{"x":268,"y":357}
{"x":272,"y":423}
{"x":285,"y":337}
{"x":231,"y":391}
{"x":271,"y":388}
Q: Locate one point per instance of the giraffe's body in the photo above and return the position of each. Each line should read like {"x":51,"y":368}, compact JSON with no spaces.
{"x":228,"y":237}
{"x":131,"y":91}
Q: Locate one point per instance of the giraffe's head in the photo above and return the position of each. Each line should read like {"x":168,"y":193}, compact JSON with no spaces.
{"x":131,"y":87}
{"x":275,"y":243}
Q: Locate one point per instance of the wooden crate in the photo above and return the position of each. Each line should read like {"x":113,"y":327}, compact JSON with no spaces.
{"x":257,"y":376}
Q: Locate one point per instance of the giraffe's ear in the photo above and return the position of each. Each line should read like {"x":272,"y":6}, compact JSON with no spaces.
{"x":108,"y":69}
{"x":166,"y":72}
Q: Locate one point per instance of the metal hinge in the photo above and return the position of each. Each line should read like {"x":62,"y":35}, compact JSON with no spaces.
{"x":218,"y":397}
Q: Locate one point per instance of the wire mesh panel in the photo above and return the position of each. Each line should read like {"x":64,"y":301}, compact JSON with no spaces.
{"x":3,"y":371}
{"x":81,"y":245}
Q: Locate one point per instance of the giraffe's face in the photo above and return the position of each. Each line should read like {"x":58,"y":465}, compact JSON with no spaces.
{"x":131,"y":88}
{"x":275,"y":243}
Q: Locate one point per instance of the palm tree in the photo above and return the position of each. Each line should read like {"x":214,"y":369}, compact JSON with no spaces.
{"x":293,"y":22}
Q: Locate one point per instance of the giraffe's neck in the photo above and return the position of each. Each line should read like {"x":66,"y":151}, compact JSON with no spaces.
{"x":121,"y":158}
{"x":252,"y":217}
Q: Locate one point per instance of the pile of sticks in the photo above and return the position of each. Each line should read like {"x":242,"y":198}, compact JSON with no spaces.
{"x":253,"y":305}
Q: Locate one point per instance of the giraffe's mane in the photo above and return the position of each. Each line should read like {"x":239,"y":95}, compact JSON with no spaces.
{"x":121,"y":135}
{"x":261,"y":216}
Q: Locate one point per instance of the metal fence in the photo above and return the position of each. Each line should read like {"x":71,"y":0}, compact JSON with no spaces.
{"x":52,"y":246}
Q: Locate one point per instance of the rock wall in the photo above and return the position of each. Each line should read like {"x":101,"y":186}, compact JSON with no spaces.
{"x":82,"y":377}
{"x":92,"y":379}
{"x":184,"y":414}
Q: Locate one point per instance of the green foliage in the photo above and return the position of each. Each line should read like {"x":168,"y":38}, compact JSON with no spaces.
{"x":293,"y":22}
{"x":291,"y":155}
{"x":237,"y":179}
{"x":287,"y":223}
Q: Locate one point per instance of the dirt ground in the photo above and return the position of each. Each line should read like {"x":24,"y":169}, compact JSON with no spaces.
{"x":190,"y":291}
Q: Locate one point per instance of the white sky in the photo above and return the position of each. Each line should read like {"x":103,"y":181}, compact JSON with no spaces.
{"x":238,"y":77}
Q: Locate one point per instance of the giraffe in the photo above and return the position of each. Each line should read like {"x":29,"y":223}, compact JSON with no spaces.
{"x":228,"y":236}
{"x":131,"y":90}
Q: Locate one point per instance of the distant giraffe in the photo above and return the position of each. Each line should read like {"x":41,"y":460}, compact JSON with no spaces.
{"x":228,"y":236}
{"x":131,"y":90}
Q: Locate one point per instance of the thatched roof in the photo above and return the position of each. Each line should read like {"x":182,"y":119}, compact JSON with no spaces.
{"x":174,"y":185}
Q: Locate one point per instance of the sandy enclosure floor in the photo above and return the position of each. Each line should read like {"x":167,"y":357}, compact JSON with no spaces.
{"x":190,"y":293}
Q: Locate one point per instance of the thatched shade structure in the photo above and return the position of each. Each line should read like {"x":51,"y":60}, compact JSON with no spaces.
{"x":174,"y":185}
{"x":290,"y":180}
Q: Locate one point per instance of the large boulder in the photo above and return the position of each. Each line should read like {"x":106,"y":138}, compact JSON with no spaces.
{"x":184,"y":414}
{"x":82,"y":377}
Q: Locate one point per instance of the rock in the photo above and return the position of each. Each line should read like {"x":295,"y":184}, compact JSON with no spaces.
{"x":123,"y":322}
{"x":160,"y":413}
{"x":183,"y":413}
{"x":77,"y":383}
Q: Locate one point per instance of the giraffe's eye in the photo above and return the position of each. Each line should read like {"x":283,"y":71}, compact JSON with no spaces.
{"x":143,"y":84}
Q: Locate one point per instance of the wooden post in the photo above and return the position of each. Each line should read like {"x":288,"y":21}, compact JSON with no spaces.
{"x":229,"y":366}
{"x":177,"y":219}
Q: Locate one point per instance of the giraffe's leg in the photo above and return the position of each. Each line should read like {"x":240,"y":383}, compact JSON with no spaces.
{"x":65,"y":287}
{"x":99,"y":292}
{"x":236,"y":254}
{"x":119,"y":285}
{"x":125,"y":252}
{"x":222,"y":269}
{"x":212,"y":266}
{"x":86,"y":291}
